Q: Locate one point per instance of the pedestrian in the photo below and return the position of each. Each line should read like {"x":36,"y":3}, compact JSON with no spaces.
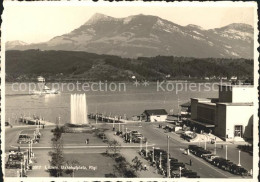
{"x":87,"y":140}
{"x":43,"y":126}
{"x":222,"y":147}
{"x":145,"y":167}
{"x":190,"y":162}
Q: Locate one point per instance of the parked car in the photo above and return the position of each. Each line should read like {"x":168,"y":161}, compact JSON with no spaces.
{"x":210,"y":157}
{"x":23,"y":138}
{"x":225,"y":165}
{"x":189,"y":174}
{"x":238,"y":170}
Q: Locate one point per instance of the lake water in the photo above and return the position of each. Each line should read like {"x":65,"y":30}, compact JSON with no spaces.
{"x":133,"y":101}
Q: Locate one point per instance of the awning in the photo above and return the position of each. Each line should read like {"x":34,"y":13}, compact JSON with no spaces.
{"x":207,"y":125}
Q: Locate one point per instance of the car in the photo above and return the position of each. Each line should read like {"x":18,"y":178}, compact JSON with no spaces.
{"x":238,"y":170}
{"x":23,"y":138}
{"x":225,"y":165}
{"x":189,"y":174}
{"x":210,"y":157}
{"x":135,"y":132}
{"x":176,"y":165}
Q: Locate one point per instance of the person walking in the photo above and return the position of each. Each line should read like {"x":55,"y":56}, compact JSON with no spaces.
{"x":190,"y":162}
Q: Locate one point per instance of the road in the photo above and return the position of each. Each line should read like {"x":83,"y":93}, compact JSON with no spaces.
{"x":156,"y":137}
{"x":159,"y":139}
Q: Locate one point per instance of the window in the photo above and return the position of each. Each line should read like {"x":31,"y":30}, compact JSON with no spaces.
{"x":238,"y":131}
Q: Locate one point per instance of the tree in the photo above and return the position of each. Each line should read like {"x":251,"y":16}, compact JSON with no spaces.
{"x":137,"y":164}
{"x":57,"y":158}
{"x":114,"y":147}
{"x":71,"y":166}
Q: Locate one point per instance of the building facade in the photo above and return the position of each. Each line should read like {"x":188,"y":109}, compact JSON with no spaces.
{"x":155,"y":115}
{"x":230,"y":116}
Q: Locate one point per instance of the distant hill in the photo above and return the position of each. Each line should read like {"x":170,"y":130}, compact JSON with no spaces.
{"x":26,"y":65}
{"x":149,"y":36}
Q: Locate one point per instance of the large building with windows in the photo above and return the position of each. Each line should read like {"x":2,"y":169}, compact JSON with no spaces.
{"x":230,"y":116}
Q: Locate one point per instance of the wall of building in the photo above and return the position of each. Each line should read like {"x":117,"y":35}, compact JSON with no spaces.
{"x":159,"y":118}
{"x":225,"y":94}
{"x":194,"y":104}
{"x":220,"y":122}
{"x":206,"y":113}
{"x":236,"y":94}
{"x":239,"y":115}
{"x":243,"y":94}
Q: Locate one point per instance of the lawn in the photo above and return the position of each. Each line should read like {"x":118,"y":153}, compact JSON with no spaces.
{"x":97,"y":165}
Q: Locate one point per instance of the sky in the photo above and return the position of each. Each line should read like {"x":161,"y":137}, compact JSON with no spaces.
{"x":35,"y":22}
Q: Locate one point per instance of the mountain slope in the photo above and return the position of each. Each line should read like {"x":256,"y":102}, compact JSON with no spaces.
{"x":146,"y":35}
{"x":27,"y":65}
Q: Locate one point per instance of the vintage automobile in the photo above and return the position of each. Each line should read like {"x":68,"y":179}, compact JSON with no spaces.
{"x":210,"y":157}
{"x":238,"y":170}
{"x":24,"y":138}
{"x":189,"y":174}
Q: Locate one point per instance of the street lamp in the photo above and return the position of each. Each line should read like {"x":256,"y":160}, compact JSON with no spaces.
{"x":160,"y":165}
{"x":180,"y":170}
{"x":146,"y":148}
{"x":205,"y":143}
{"x":226,"y":152}
{"x":153,"y":154}
{"x":141,"y":144}
{"x":126,"y":134}
{"x":169,"y":172}
{"x":215,"y":151}
{"x":21,"y":169}
{"x":168,"y":156}
{"x":239,"y":158}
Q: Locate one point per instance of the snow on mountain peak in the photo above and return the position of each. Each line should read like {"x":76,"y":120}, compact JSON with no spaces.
{"x":194,"y":26}
{"x":97,"y":17}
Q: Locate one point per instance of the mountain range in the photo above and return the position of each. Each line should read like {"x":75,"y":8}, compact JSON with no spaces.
{"x":148,"y":36}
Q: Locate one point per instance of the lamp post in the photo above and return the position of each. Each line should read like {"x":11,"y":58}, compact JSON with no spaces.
{"x":126,"y":134}
{"x":21,"y":169}
{"x":168,"y":157}
{"x":239,"y":158}
{"x":180,"y":171}
{"x":226,"y":152}
{"x":153,"y":154}
{"x":160,"y":165}
{"x":215,"y":151}
{"x":141,"y":144}
{"x":169,"y":172}
{"x":146,"y":148}
{"x":205,"y":147}
{"x":59,"y":120}
{"x":31,"y":147}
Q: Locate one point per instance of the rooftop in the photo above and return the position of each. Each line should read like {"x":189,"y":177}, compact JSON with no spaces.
{"x":236,"y":104}
{"x":236,"y":86}
{"x":155,"y":112}
{"x":202,"y":99}
{"x":187,"y":104}
{"x":207,"y":103}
